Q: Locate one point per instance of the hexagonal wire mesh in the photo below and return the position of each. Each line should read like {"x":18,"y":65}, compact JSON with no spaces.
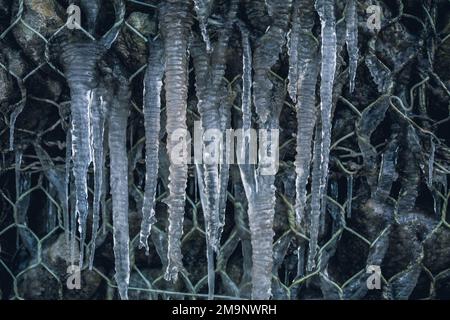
{"x":34,"y":255}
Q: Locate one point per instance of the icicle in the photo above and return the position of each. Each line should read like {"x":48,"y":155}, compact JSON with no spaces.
{"x":259,"y":187}
{"x":80,"y":60}
{"x":246,"y":80}
{"x":209,"y":72}
{"x":175,"y":21}
{"x":306,"y":104}
{"x":210,"y":120}
{"x":349,"y":195}
{"x":351,"y":38}
{"x":209,"y":248}
{"x":203,"y":8}
{"x":96,"y":123}
{"x":119,"y":184}
{"x":262,"y":203}
{"x":98,"y":118}
{"x":152,"y":109}
{"x":248,"y":179}
{"x":315,"y":199}
{"x":325,"y":9}
{"x":293,"y":43}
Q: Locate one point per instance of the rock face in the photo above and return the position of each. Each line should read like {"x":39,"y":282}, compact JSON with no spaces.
{"x":309,"y":232}
{"x":42,"y":19}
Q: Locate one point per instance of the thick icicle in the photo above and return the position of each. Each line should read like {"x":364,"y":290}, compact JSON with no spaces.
{"x":306,"y":103}
{"x":259,"y":188}
{"x":261,"y":210}
{"x":80,"y":63}
{"x":175,"y":22}
{"x":119,"y":183}
{"x":209,"y":71}
{"x":210,"y":119}
{"x":351,"y":38}
{"x":96,"y":123}
{"x":325,"y":9}
{"x":152,"y":109}
{"x":203,"y":9}
{"x":213,"y":178}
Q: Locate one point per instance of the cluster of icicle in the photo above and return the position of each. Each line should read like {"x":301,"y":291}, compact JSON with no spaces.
{"x":100,"y":105}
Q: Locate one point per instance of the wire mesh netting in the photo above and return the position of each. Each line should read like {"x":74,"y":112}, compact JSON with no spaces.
{"x":387,"y":199}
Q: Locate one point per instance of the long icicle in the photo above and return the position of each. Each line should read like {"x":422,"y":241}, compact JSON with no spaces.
{"x":119,"y":182}
{"x":351,"y":38}
{"x":152,"y":109}
{"x":293,"y":43}
{"x":308,"y":65}
{"x":80,"y":62}
{"x":207,"y":174}
{"x":212,"y":114}
{"x":175,"y":22}
{"x":96,"y":126}
{"x":325,"y":9}
{"x":209,"y":73}
{"x":98,"y":120}
{"x":268,"y":97}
